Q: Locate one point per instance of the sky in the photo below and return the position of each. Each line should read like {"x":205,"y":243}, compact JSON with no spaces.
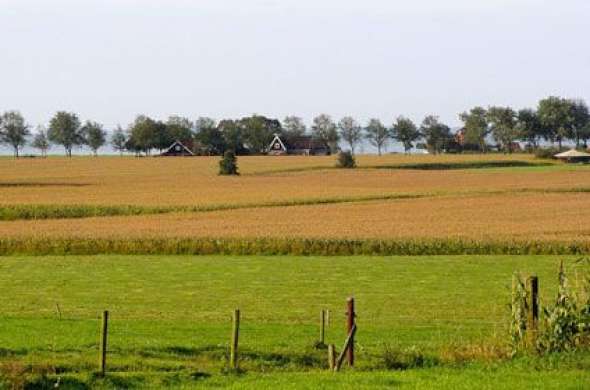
{"x":109,"y":60}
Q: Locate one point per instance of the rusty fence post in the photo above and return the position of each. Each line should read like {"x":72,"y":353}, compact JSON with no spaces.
{"x":350,"y":322}
{"x":233,"y":355}
{"x":532,"y":323}
{"x":102,"y":347}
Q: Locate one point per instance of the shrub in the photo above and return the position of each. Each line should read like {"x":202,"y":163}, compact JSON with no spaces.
{"x":566,"y":324}
{"x":228,"y":164}
{"x":346,"y":160}
{"x":546,"y":153}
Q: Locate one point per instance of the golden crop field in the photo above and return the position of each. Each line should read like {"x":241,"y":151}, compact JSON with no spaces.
{"x":506,"y":216}
{"x":193,"y":181}
{"x":537,"y":202}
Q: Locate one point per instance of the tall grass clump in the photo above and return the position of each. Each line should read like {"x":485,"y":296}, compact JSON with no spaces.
{"x":565,"y":324}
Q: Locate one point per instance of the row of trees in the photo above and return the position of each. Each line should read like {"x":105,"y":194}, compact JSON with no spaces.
{"x":554,"y":120}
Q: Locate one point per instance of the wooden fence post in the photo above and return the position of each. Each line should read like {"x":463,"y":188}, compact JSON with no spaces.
{"x":532,"y":323}
{"x":233,"y":356}
{"x":322,"y":327}
{"x":350,"y":315}
{"x":331,"y":357}
{"x":102,"y":347}
{"x":345,"y":349}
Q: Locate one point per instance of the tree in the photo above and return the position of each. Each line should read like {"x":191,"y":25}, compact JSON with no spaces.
{"x":350,"y":131}
{"x":258,"y":132}
{"x":143,"y":134}
{"x":232,"y":136}
{"x":118,"y":140}
{"x":405,"y":132}
{"x":64,"y":129}
{"x":476,"y":127}
{"x":179,"y":129}
{"x":556,"y":117}
{"x":580,"y":118}
{"x":436,"y":134}
{"x":502,"y":122}
{"x":293,"y":127}
{"x":324,"y":128}
{"x":228,"y":164}
{"x":13,"y":130}
{"x":40,"y":141}
{"x":585,"y":134}
{"x":377,"y":134}
{"x":94,"y":136}
{"x":529,"y":126}
{"x":346,"y":160}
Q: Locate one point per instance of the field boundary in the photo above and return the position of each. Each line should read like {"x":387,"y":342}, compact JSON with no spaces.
{"x":18,"y":212}
{"x":286,"y":246}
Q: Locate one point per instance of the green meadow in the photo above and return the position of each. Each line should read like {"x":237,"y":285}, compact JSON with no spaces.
{"x":423,"y":321}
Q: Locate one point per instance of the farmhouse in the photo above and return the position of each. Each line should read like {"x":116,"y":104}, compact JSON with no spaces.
{"x":304,"y":145}
{"x":177,"y":149}
{"x":573,"y":156}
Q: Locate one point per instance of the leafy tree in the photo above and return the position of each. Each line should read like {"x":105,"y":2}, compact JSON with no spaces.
{"x":229,"y":163}
{"x":209,"y":136}
{"x":346,"y":160}
{"x":64,"y":129}
{"x":204,"y":122}
{"x":502,"y":122}
{"x":232,"y":136}
{"x":118,"y":140}
{"x":580,"y":118}
{"x":406,"y":132}
{"x":585,"y":134}
{"x":13,"y":130}
{"x":293,"y":127}
{"x":436,"y":134}
{"x":179,"y":129}
{"x":40,"y":141}
{"x":143,"y":135}
{"x":258,"y":132}
{"x":324,"y":128}
{"x":350,"y":131}
{"x":476,"y":127}
{"x":94,"y":136}
{"x":377,"y":134}
{"x":555,"y":114}
{"x":529,"y":126}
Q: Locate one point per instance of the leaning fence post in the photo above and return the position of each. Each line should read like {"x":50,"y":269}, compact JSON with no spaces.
{"x":233,"y":356}
{"x":345,"y":348}
{"x":102,"y":347}
{"x":350,"y":315}
{"x":322,"y":327}
{"x":532,"y":323}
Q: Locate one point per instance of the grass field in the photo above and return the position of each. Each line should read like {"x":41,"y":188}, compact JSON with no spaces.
{"x":170,"y":318}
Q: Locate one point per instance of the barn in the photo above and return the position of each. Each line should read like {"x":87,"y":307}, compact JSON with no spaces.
{"x":303,"y":145}
{"x":177,"y":149}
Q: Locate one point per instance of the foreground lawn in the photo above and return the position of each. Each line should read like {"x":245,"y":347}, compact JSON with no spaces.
{"x":170,"y":319}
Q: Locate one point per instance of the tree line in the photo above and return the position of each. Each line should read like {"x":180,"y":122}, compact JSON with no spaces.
{"x":555,"y":120}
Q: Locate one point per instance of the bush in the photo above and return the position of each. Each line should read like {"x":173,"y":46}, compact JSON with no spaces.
{"x":346,"y":160}
{"x":228,"y":164}
{"x":546,"y":153}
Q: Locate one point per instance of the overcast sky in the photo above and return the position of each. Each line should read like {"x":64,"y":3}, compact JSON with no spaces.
{"x":112,"y":59}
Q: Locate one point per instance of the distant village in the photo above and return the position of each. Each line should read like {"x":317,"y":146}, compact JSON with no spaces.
{"x":555,"y":122}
